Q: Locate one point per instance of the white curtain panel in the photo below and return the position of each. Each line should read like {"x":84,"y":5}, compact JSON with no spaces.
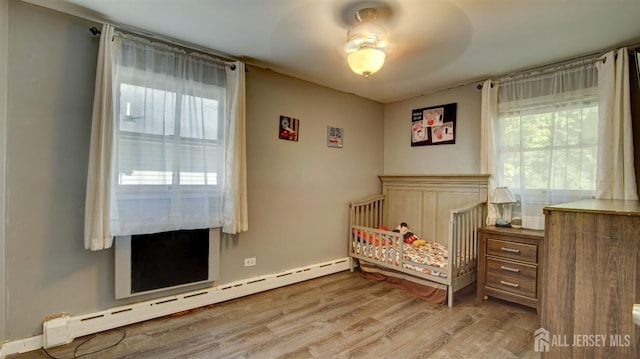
{"x":547,"y":137}
{"x":96,"y":214}
{"x":236,"y":217}
{"x":488,"y":149}
{"x":616,"y":172}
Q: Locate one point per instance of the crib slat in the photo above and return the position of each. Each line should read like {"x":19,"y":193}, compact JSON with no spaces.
{"x":463,"y":226}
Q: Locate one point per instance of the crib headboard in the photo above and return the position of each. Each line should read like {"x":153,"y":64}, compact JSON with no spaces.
{"x":424,"y":202}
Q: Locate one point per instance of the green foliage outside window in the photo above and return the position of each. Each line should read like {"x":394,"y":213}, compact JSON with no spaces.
{"x":550,"y":150}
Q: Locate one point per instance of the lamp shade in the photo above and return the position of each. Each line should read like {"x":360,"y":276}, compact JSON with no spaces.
{"x":366,"y":60}
{"x":503,"y":195}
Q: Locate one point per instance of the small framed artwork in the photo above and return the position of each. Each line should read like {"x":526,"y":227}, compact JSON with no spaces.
{"x":335,"y":136}
{"x":433,"y":125}
{"x":288,"y":128}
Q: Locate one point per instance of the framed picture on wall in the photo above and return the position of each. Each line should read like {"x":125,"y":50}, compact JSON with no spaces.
{"x":335,"y":137}
{"x":434,"y":125}
{"x":288,"y":128}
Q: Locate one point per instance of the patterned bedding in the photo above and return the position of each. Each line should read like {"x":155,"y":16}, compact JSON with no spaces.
{"x":431,"y":253}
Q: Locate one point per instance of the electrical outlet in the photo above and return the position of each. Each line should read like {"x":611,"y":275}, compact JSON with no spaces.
{"x":249,"y":262}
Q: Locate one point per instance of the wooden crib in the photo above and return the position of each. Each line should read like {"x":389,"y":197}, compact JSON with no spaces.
{"x":446,"y":211}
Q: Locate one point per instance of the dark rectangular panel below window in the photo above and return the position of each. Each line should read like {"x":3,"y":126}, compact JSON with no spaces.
{"x":169,"y":259}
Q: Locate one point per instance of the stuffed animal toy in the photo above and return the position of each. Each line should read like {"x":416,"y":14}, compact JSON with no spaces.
{"x":408,"y":236}
{"x":419,"y":242}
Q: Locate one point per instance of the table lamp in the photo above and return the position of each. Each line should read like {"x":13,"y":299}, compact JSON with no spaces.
{"x":505,"y":199}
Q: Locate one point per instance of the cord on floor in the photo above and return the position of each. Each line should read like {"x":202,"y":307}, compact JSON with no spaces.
{"x":75,"y":351}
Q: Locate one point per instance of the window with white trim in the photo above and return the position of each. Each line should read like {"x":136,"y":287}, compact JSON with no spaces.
{"x":550,"y":149}
{"x":148,"y":117}
{"x":547,"y":138}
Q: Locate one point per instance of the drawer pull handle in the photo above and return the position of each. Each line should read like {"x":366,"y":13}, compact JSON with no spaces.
{"x":515,"y":270}
{"x":510,"y":250}
{"x":515,"y":285}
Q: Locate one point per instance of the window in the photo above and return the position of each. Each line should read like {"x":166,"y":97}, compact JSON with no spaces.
{"x":192,"y":125}
{"x":169,"y":140}
{"x":547,"y":138}
{"x":553,"y":150}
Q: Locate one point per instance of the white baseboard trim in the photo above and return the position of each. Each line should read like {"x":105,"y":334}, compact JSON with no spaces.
{"x":63,"y":329}
{"x":21,"y":346}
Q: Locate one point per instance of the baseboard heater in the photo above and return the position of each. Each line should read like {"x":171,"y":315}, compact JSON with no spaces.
{"x":63,"y":328}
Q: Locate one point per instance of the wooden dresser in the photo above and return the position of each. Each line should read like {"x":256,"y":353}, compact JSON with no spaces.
{"x":509,"y":264}
{"x":591,"y":280}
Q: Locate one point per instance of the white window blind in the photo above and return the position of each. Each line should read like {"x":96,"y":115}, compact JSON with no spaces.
{"x":145,"y":158}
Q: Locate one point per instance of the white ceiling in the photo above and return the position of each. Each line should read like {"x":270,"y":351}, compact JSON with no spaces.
{"x":437,"y":44}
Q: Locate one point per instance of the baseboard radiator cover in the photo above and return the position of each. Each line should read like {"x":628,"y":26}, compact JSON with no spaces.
{"x":64,"y":328}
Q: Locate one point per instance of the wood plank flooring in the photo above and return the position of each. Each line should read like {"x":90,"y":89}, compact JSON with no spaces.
{"x":337,"y":316}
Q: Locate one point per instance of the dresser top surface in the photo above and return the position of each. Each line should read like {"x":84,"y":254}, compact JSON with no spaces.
{"x":513,"y":231}
{"x":603,"y":206}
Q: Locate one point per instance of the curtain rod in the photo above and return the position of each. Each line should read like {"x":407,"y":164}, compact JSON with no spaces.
{"x":566,"y":64}
{"x":595,"y":57}
{"x":184,"y":45}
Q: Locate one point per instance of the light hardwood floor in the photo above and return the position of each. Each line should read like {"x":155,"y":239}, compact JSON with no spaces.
{"x":337,"y":316}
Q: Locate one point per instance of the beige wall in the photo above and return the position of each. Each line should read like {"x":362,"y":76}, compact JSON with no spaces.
{"x":298,"y":191}
{"x":51,"y":65}
{"x":460,"y":158}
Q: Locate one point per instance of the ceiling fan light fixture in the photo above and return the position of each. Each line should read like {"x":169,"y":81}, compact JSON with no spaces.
{"x":366,"y":33}
{"x":366,"y":61}
{"x":366,"y":43}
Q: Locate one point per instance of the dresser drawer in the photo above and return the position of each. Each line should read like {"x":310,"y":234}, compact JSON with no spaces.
{"x":517,"y":251}
{"x":512,"y":277}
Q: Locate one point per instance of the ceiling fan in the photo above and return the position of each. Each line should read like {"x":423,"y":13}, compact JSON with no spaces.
{"x":367,"y":41}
